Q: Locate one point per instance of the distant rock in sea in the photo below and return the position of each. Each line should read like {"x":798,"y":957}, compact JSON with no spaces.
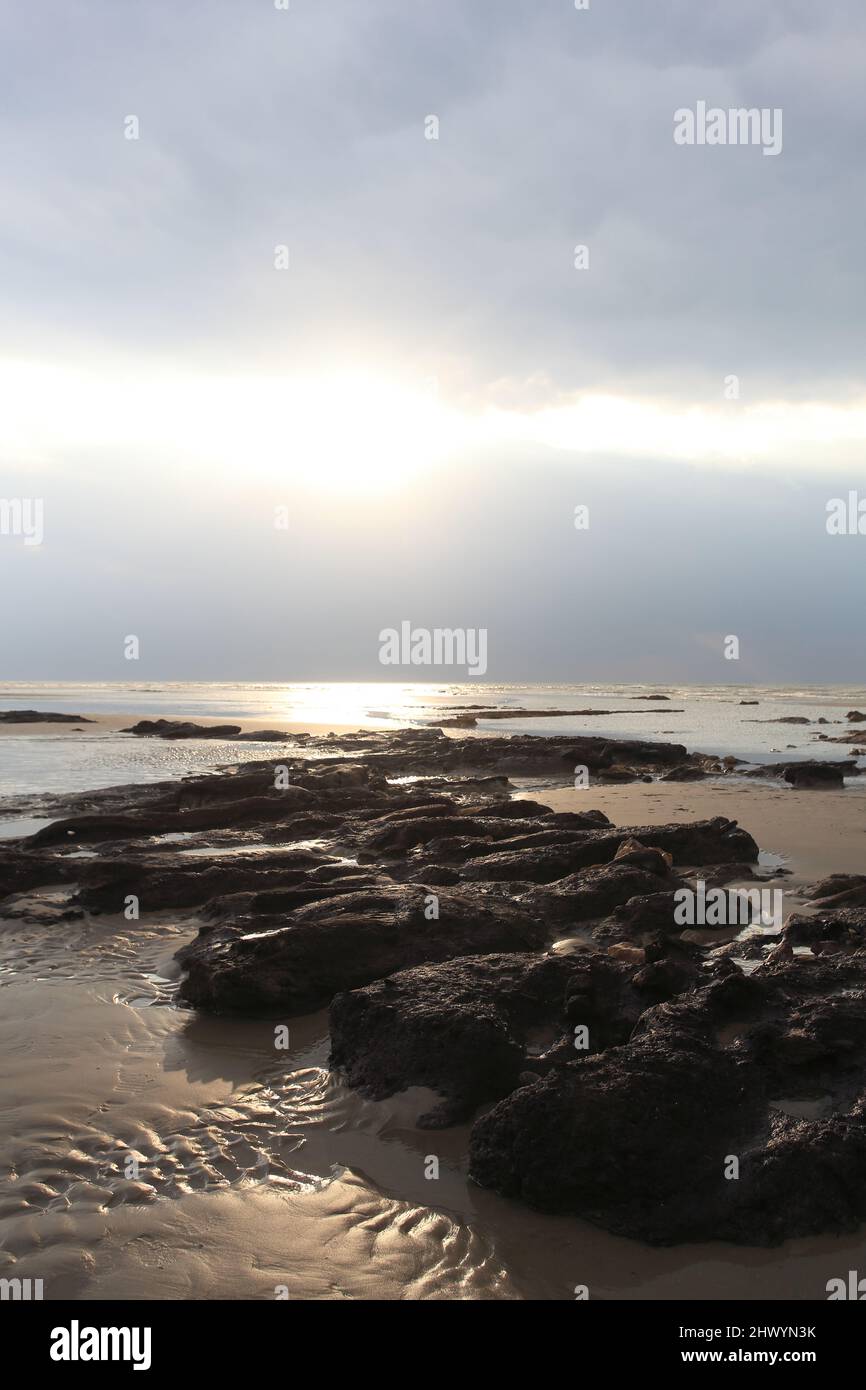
{"x":35,"y":716}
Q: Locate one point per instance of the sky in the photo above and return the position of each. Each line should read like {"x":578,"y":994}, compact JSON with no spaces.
{"x":318,"y":319}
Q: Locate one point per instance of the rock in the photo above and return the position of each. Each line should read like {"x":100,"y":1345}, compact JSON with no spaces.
{"x":99,"y":829}
{"x":592,"y":893}
{"x":785,"y":719}
{"x":33,"y":716}
{"x":176,"y":728}
{"x":460,"y":1027}
{"x":465,"y":1028}
{"x":633,"y":1139}
{"x":578,"y":1140}
{"x":839,"y":890}
{"x":817,"y":774}
{"x":846,"y":925}
{"x":697,"y":842}
{"x":161,"y":883}
{"x":655,"y":861}
{"x":615,"y":774}
{"x":628,"y":955}
{"x":684,"y":773}
{"x":643,"y":915}
{"x":718,"y":875}
{"x":341,"y":944}
{"x":264,"y":736}
{"x":856,"y":716}
{"x":470,"y":721}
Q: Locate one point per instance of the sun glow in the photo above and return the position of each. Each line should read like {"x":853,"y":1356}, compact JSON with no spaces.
{"x":341,"y":430}
{"x":371,"y":432}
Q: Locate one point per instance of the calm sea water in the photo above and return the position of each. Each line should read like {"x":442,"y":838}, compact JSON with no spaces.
{"x":708,"y":719}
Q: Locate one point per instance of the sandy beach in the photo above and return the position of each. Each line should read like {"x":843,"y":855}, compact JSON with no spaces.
{"x":816,"y":834}
{"x":258,"y":1172}
{"x":98,"y":725}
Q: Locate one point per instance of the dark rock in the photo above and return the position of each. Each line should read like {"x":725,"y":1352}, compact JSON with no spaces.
{"x":785,"y":719}
{"x":846,"y":925}
{"x":816,"y":774}
{"x":33,"y":716}
{"x":177,"y":728}
{"x":718,"y":840}
{"x":99,"y":829}
{"x":636,"y":1139}
{"x":590,"y":894}
{"x":466,"y":1027}
{"x":643,"y":915}
{"x":459,"y":1027}
{"x":633,"y":1139}
{"x":196,"y":880}
{"x":345,"y":943}
{"x":839,"y":890}
{"x":264,"y":736}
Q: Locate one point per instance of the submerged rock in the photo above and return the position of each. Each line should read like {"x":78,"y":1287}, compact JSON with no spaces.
{"x":34,"y":716}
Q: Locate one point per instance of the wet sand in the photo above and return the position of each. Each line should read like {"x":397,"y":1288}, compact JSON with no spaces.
{"x":101,"y":724}
{"x":267,"y":1174}
{"x":260,"y":1172}
{"x":817,"y":832}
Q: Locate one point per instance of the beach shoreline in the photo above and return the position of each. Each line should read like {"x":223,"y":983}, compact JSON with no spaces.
{"x":203,"y":1100}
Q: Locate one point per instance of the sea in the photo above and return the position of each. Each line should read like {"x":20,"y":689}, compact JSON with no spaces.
{"x":705,"y":718}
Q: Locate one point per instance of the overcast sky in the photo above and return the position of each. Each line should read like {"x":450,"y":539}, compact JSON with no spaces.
{"x":432,"y":385}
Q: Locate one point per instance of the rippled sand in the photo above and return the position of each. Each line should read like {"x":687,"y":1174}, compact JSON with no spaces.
{"x":259,"y":1172}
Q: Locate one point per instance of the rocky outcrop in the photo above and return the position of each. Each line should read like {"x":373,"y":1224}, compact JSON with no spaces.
{"x":845,"y":925}
{"x":474,"y":1027}
{"x":392,"y":876}
{"x":818,"y":774}
{"x":470,"y":721}
{"x":300,"y":964}
{"x":178,"y":728}
{"x":646,"y":1137}
{"x":839,"y":890}
{"x":714,"y":841}
{"x":34,"y":716}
